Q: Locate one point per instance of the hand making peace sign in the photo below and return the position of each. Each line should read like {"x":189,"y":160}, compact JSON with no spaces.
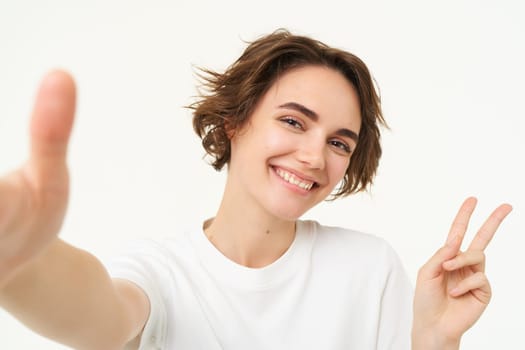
{"x":452,"y":290}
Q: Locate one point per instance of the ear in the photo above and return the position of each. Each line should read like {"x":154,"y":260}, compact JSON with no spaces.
{"x":228,"y":126}
{"x":233,"y":131}
{"x":230,"y":130}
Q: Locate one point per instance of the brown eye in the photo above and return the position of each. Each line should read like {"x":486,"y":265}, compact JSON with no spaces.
{"x":292,"y":122}
{"x":341,"y":145}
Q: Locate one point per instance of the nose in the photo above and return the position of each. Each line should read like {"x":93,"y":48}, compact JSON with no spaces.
{"x":311,"y":153}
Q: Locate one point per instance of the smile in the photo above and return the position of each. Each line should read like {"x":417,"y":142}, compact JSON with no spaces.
{"x":294,"y":179}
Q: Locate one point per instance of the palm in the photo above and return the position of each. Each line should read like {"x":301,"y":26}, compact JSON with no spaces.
{"x":453,"y":315}
{"x":33,"y":199}
{"x":452,"y":291}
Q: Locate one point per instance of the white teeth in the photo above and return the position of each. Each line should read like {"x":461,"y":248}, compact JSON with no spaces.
{"x":290,"y":178}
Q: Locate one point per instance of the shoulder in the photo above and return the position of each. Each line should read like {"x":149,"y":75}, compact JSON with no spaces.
{"x":350,"y":246}
{"x":346,"y":238}
{"x":148,"y":256}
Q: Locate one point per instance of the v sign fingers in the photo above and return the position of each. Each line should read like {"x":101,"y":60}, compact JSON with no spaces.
{"x":489,"y":227}
{"x":433,"y":267}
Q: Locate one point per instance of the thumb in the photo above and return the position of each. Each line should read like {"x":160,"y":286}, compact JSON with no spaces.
{"x":51,"y":122}
{"x":434,"y":266}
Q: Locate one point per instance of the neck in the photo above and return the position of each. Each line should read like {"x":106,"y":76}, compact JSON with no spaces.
{"x":247,"y":234}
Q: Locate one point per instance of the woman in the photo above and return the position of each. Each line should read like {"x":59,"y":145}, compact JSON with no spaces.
{"x":295,"y":121}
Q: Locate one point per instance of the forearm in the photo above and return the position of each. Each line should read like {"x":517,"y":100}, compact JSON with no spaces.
{"x":66,"y":294}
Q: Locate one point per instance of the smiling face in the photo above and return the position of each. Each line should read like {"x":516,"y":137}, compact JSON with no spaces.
{"x":297,"y":144}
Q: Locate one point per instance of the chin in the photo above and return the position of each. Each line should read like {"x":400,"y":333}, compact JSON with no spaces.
{"x":288,"y":212}
{"x":287,"y":206}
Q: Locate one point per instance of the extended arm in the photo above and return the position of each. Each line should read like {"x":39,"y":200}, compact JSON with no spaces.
{"x":57,"y":290}
{"x":66,"y":295}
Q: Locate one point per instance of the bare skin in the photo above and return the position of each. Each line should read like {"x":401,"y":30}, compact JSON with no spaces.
{"x":65,"y":293}
{"x":33,"y":199}
{"x":57,"y":290}
{"x":452,"y":290}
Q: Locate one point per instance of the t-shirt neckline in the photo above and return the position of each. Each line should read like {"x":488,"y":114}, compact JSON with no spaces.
{"x":224,"y":270}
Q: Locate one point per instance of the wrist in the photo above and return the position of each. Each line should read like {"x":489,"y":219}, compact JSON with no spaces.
{"x":431,"y":340}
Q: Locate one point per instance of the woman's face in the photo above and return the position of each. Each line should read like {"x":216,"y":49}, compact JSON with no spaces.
{"x":296,"y":146}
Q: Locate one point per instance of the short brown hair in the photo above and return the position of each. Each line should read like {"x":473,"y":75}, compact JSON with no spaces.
{"x":229,"y":99}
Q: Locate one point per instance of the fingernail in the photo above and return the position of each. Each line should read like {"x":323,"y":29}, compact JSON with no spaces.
{"x":454,"y":291}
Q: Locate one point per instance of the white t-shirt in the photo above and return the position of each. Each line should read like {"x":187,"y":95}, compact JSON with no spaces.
{"x":332,"y":289}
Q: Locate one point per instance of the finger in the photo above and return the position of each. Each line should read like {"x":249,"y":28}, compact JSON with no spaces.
{"x":52,"y":120}
{"x":476,"y":283}
{"x":474,"y":259}
{"x":460,"y":224}
{"x":489,"y":227}
{"x":434,"y":266}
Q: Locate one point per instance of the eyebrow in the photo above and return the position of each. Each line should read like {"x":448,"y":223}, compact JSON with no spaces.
{"x":315,"y":117}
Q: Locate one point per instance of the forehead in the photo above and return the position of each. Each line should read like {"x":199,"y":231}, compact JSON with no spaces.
{"x":321,"y":89}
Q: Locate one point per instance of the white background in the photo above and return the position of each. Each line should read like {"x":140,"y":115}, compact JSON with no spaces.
{"x":451,"y":75}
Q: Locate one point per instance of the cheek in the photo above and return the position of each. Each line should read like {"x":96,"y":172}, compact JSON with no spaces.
{"x":338,"y":167}
{"x":276,"y":141}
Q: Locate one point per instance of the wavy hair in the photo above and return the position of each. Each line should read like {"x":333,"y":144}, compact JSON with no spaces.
{"x":226,"y":100}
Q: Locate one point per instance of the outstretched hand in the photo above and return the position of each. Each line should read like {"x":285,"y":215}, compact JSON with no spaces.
{"x":452,"y":290}
{"x":33,"y":198}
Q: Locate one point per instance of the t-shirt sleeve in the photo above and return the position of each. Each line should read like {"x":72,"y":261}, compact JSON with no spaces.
{"x":141,"y":263}
{"x":396,"y":307}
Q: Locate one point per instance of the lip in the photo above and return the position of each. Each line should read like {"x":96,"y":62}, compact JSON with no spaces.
{"x":298,"y":175}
